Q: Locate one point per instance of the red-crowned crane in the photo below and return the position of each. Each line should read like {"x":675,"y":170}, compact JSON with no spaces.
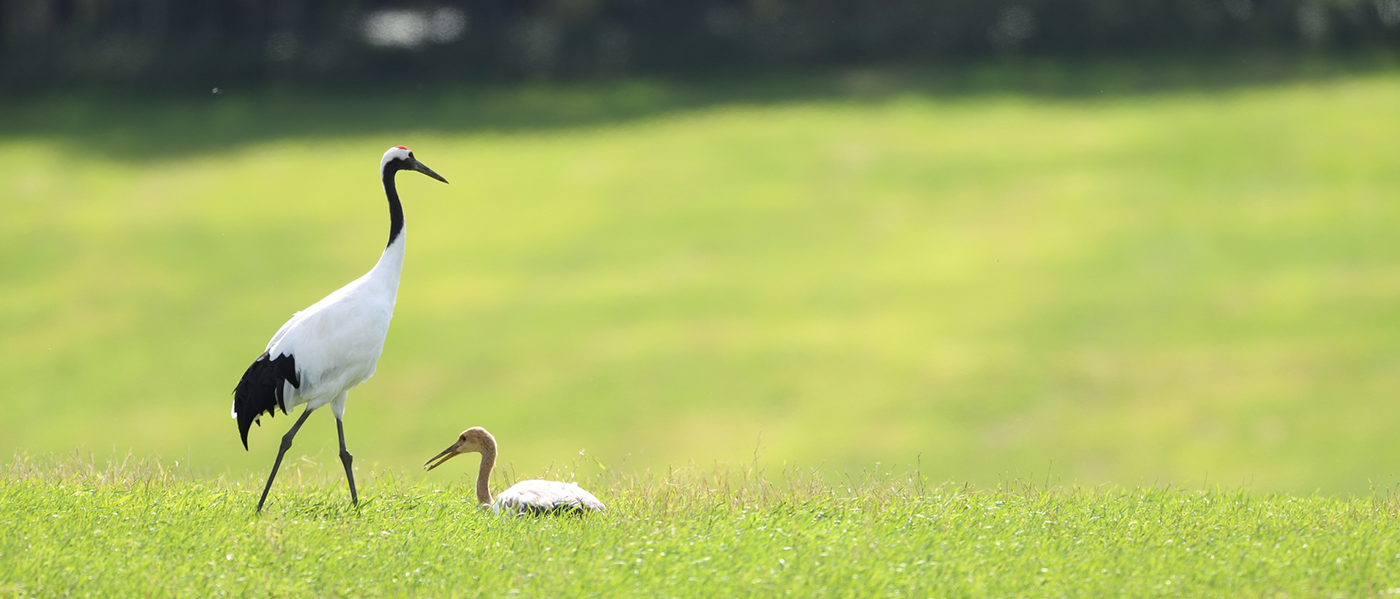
{"x":525,"y":497}
{"x":327,"y":349}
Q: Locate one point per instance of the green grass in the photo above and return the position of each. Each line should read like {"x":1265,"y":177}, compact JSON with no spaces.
{"x":1194,"y":284}
{"x":74,"y":528}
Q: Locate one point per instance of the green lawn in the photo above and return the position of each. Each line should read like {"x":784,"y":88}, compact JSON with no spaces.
{"x":72,"y":528}
{"x":1189,"y":283}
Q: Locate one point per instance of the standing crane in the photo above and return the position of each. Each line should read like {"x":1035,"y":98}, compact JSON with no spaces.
{"x":525,"y":497}
{"x":329,"y":348}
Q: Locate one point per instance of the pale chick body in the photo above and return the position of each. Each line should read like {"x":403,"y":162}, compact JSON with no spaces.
{"x":525,"y":497}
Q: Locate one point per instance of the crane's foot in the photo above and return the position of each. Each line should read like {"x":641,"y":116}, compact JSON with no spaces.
{"x":281,"y":451}
{"x":347,"y":459}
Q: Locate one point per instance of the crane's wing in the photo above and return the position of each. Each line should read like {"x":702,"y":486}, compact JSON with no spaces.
{"x":337,"y":341}
{"x":262,"y":389}
{"x":325,"y":349}
{"x":282,"y":332}
{"x":546,"y":497}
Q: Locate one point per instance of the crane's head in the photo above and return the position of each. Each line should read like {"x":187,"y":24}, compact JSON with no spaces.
{"x":472,"y":440}
{"x":399,"y":158}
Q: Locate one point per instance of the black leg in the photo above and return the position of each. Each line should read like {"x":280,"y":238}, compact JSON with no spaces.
{"x":346,"y":458}
{"x":286,"y":444}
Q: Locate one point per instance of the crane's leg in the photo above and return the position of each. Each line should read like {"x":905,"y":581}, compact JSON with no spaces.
{"x":286,"y":444}
{"x":346,"y":458}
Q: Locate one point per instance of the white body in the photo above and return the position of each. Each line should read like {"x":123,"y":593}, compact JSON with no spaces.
{"x":544,"y":496}
{"x":337,"y":341}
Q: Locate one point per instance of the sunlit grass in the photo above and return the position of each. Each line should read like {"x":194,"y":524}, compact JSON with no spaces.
{"x":1190,"y":285}
{"x":73,"y":527}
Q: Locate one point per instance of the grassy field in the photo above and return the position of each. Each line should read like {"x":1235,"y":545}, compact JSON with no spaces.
{"x":1175,"y":280}
{"x":73,"y":528}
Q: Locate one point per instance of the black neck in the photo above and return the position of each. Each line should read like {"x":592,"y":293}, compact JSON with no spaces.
{"x":395,"y":208}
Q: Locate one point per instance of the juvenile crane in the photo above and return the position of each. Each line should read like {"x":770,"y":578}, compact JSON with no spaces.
{"x":329,"y":348}
{"x":525,"y":497}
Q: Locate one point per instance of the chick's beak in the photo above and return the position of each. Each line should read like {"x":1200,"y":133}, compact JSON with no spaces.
{"x":447,"y":454}
{"x":423,"y":168}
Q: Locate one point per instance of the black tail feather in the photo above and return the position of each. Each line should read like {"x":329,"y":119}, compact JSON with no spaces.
{"x":260,"y":390}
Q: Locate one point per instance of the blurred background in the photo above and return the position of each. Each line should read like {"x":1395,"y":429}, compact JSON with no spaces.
{"x":1103,"y":241}
{"x":378,"y":44}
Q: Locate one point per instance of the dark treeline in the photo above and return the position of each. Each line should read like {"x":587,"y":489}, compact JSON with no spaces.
{"x":48,"y":43}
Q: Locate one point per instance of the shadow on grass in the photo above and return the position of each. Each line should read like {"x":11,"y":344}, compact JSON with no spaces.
{"x":135,"y":127}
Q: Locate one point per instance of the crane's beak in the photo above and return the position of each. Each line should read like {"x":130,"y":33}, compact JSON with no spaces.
{"x":423,"y":168}
{"x":447,"y":454}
